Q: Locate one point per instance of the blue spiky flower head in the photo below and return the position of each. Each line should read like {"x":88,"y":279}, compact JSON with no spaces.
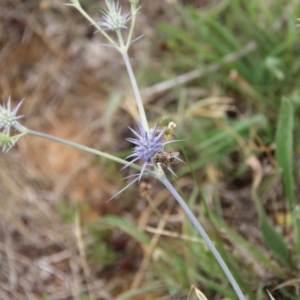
{"x":113,"y":18}
{"x":147,"y":144}
{"x":8,"y":116}
{"x":8,"y":120}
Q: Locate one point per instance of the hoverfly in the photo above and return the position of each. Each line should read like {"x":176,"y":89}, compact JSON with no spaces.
{"x":165,"y":157}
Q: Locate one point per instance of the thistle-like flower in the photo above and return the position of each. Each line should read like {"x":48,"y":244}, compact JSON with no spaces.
{"x":113,"y":18}
{"x":147,"y":144}
{"x":8,"y":120}
{"x":8,"y":117}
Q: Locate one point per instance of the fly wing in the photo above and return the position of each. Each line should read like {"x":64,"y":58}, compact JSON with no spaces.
{"x":175,"y":155}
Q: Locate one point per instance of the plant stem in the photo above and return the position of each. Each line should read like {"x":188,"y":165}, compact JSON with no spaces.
{"x":204,"y":235}
{"x":82,"y":11}
{"x":136,"y":91}
{"x":81,"y":147}
{"x":132,"y":24}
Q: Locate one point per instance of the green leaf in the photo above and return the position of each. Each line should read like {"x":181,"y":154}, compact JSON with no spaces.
{"x":284,"y":148}
{"x":284,"y":157}
{"x":272,"y":238}
{"x":257,"y":255}
{"x":150,"y":287}
{"x":126,"y":226}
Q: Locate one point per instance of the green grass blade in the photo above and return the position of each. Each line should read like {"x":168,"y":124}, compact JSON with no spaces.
{"x":235,"y":238}
{"x":296,"y":223}
{"x":150,"y":287}
{"x":284,"y":157}
{"x":284,"y":148}
{"x":126,"y":226}
{"x":273,"y":239}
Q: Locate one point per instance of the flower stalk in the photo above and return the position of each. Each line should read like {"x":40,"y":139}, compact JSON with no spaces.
{"x":204,"y":235}
{"x":138,"y":98}
{"x":76,"y":4}
{"x":81,"y":147}
{"x":115,"y":20}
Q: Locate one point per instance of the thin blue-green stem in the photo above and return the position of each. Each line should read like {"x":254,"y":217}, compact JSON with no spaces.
{"x":132,"y":23}
{"x":81,"y":147}
{"x":76,"y":4}
{"x":136,"y":91}
{"x":204,"y":235}
{"x":123,"y":49}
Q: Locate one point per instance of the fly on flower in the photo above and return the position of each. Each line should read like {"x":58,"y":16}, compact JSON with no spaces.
{"x":165,"y":157}
{"x":149,"y":148}
{"x":149,"y":145}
